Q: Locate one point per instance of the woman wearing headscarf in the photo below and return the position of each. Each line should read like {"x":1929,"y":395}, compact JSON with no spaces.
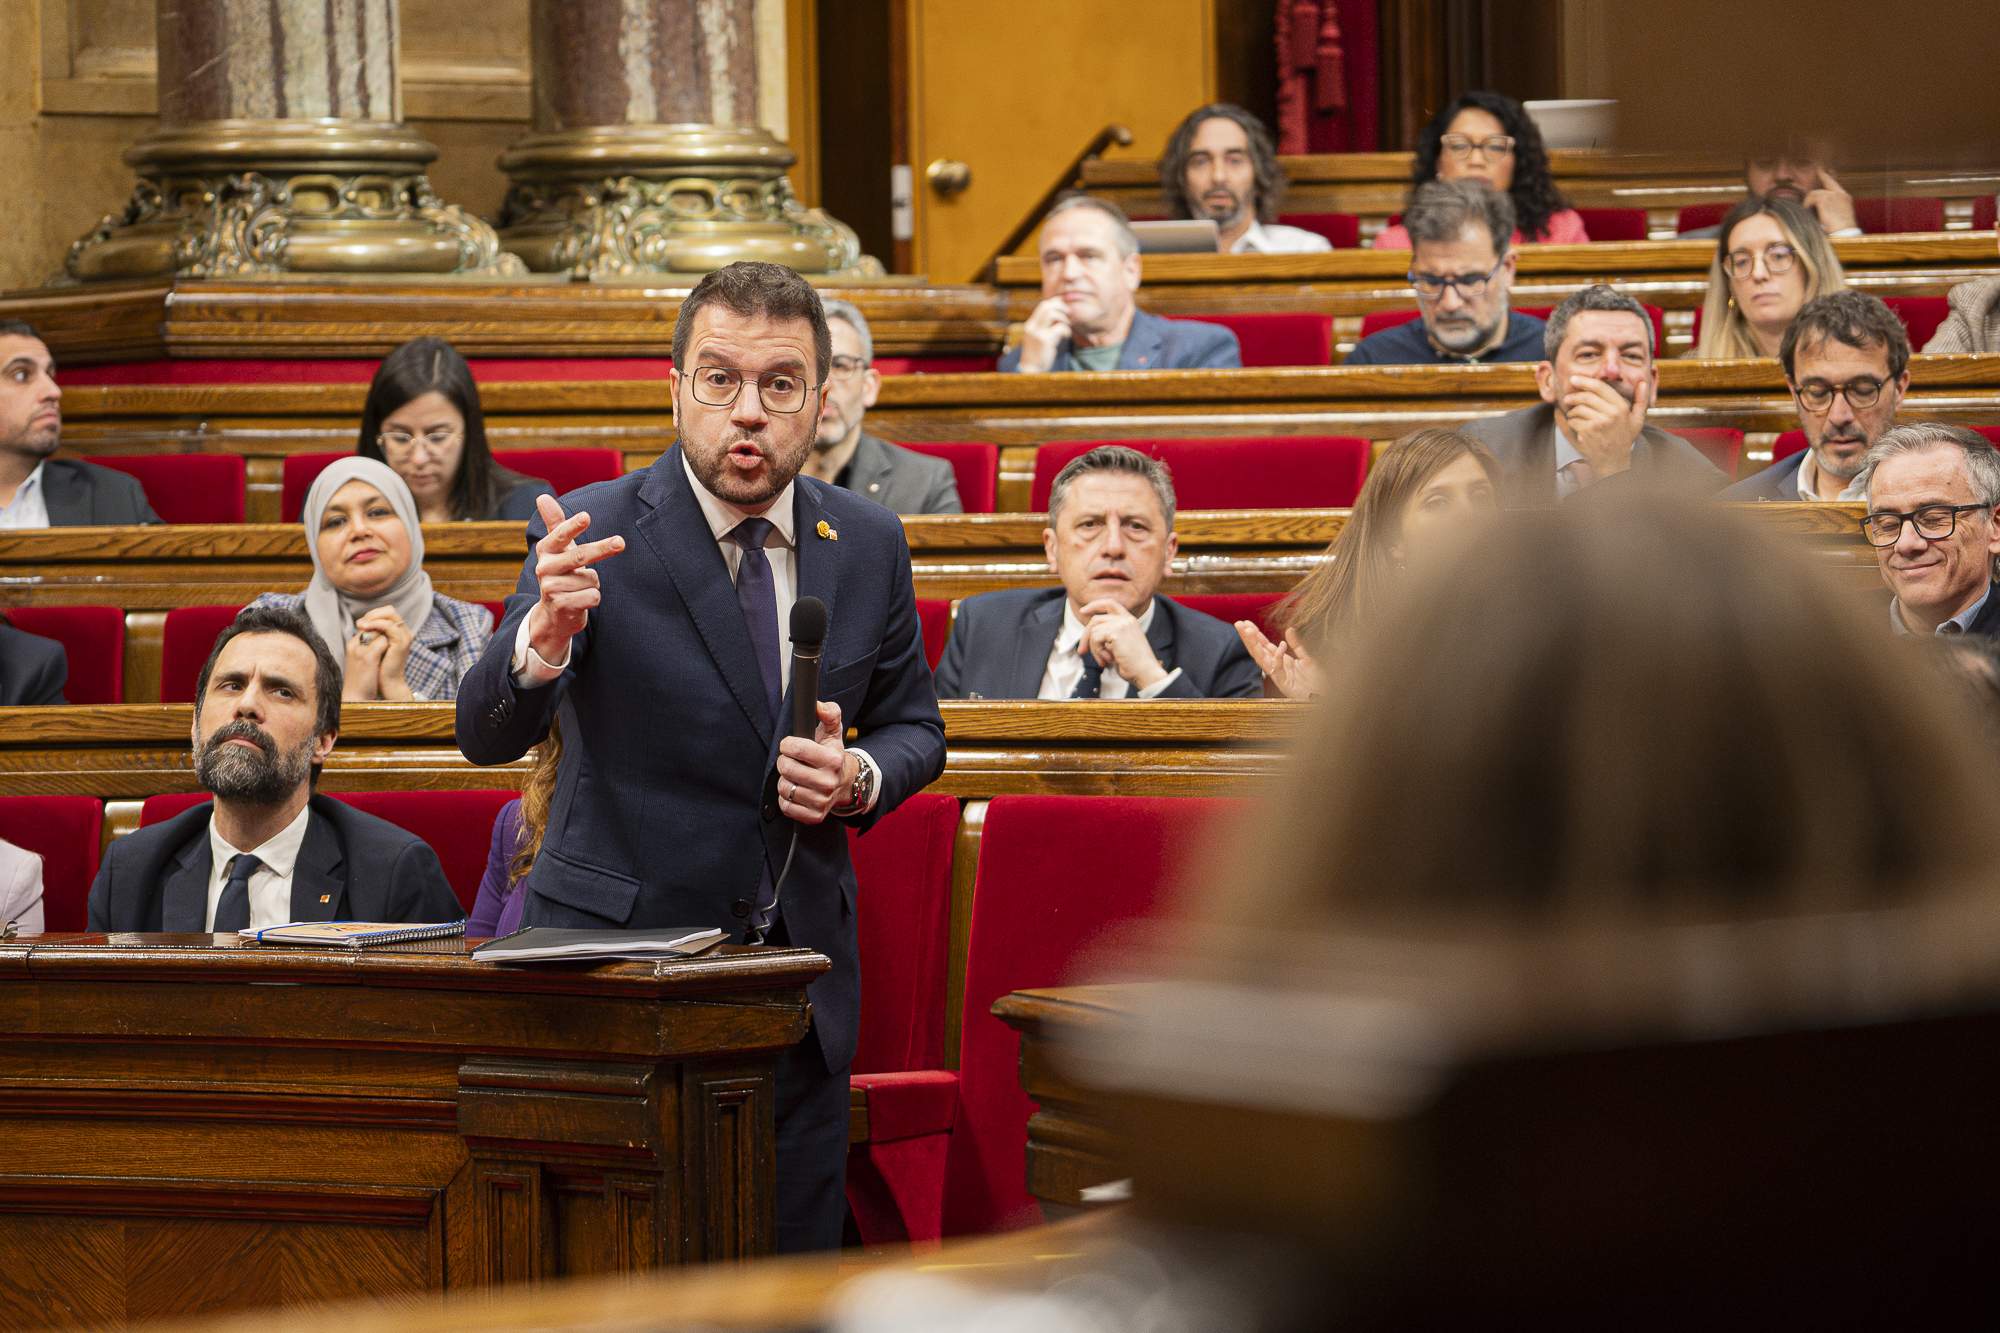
{"x":370,"y":598}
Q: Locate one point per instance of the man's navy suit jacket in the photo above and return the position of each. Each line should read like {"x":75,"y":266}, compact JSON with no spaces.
{"x":661,"y":814}
{"x":1155,"y":343}
{"x":351,"y":867}
{"x":1000,"y":644}
{"x":32,"y":669}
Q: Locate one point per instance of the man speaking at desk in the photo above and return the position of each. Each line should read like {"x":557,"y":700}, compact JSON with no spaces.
{"x":662,"y":644}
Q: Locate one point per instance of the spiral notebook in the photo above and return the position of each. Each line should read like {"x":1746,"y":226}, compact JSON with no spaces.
{"x":353,"y":934}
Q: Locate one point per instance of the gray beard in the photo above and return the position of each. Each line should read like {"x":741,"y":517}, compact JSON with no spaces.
{"x":235,"y":774}
{"x":1464,"y":343}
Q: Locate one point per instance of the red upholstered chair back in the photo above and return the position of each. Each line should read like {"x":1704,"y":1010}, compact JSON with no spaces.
{"x":1921,"y":316}
{"x":93,"y":640}
{"x":976,"y":468}
{"x":1237,"y":472}
{"x":1721,"y":445}
{"x":188,"y":637}
{"x":936,"y":365}
{"x":1055,"y":874}
{"x":1984,"y":210}
{"x":496,"y":610}
{"x":934,"y":618}
{"x":1297,"y":339}
{"x":902,"y":875}
{"x":300,"y":472}
{"x":457,"y":824}
{"x":1230,"y":607}
{"x":1614,"y":224}
{"x":65,"y":831}
{"x":1342,"y":230}
{"x":1696,"y":216}
{"x":1879,"y":216}
{"x":564,"y":469}
{"x":186,"y":488}
{"x":1377,"y":320}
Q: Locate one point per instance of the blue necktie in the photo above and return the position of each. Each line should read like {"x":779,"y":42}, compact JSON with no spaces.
{"x":757,"y":594}
{"x":1091,"y":683}
{"x":232,"y":911}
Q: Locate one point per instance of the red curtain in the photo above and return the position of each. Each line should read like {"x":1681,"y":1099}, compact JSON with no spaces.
{"x":1328,"y":76}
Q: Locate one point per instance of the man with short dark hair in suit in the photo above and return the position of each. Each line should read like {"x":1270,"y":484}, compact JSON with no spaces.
{"x":32,"y":669}
{"x":1089,"y":318}
{"x":1105,"y":633}
{"x":847,"y":456}
{"x":1597,"y":384}
{"x":664,"y":648}
{"x":37,"y":491}
{"x":267,"y":850}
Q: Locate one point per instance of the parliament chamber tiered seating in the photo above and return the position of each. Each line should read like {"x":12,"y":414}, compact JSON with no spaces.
{"x":563,"y":469}
{"x":67,"y":832}
{"x":93,"y":640}
{"x":1377,"y":320}
{"x":186,"y":488}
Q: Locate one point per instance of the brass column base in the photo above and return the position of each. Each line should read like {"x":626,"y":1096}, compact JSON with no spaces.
{"x":257,"y":198}
{"x":674,"y":200}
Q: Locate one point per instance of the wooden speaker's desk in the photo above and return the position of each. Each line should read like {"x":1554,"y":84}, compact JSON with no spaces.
{"x":193,"y":1123}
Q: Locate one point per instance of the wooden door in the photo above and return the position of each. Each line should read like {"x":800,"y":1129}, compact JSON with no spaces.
{"x":1014,"y":89}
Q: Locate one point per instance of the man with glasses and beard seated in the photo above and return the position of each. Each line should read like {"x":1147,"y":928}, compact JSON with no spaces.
{"x":1462,"y":267}
{"x":266,"y":850}
{"x":1847,"y":363}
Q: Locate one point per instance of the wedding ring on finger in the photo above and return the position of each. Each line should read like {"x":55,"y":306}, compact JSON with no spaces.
{"x":367,"y":636}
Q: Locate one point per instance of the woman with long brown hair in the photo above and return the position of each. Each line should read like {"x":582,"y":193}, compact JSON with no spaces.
{"x":1771,"y":257}
{"x":1424,"y":495}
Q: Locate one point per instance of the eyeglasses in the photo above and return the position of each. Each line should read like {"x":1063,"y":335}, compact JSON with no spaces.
{"x":1778,"y":259}
{"x":1460,"y":145}
{"x":1818,"y":395}
{"x":402,"y":441}
{"x":844,"y":366}
{"x":1470,"y":286}
{"x":1933,"y":522}
{"x":778,"y":390}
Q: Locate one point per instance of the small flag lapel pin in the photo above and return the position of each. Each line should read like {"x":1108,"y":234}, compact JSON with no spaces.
{"x":826,"y":531}
{"x":326,"y":897}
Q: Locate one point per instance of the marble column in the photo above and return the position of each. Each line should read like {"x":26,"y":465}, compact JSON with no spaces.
{"x":646,"y":157}
{"x":281,"y":149}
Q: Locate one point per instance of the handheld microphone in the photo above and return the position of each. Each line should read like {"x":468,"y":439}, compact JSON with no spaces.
{"x":808,"y":638}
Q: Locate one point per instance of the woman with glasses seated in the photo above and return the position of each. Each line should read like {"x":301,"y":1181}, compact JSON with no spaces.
{"x":371,"y":600}
{"x":1770,"y":259}
{"x":422,"y":418}
{"x":1489,"y":138}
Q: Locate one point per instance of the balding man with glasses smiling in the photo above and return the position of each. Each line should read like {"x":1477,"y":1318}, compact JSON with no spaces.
{"x":1931,"y":492}
{"x":1462,"y":269}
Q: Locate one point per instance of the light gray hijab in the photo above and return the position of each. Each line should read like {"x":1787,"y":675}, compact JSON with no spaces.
{"x":334,"y":612}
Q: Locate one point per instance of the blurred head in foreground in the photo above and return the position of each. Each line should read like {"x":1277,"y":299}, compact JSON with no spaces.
{"x":1602,"y":714}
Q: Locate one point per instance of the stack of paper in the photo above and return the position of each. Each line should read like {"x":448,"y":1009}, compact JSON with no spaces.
{"x":545,"y":944}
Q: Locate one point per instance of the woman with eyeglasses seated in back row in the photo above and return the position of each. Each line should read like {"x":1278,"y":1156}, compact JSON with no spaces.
{"x":422,"y":418}
{"x":1771,"y":257}
{"x":1490,"y":138}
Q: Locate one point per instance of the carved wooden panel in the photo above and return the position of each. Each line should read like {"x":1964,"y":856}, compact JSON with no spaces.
{"x":722,"y":1113}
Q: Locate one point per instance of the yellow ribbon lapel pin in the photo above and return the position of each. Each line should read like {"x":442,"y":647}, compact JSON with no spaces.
{"x":826,"y":531}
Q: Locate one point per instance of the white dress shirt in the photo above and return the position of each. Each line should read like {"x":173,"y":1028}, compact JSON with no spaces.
{"x":20,"y":888}
{"x":780,"y":548}
{"x":270,"y":883}
{"x":1065,"y":667}
{"x":1277,"y":239}
{"x":1808,"y":479}
{"x":29,"y":508}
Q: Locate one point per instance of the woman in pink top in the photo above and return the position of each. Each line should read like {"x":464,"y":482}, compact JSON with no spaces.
{"x":1489,"y":138}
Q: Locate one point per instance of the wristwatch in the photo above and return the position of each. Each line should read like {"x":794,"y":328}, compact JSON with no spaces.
{"x":859,"y":793}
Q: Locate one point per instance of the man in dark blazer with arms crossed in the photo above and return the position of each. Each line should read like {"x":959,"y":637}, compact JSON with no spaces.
{"x":267,"y":850}
{"x":668,"y":667}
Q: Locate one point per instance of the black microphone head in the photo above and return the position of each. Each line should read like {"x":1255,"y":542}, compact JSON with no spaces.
{"x":808,"y":624}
